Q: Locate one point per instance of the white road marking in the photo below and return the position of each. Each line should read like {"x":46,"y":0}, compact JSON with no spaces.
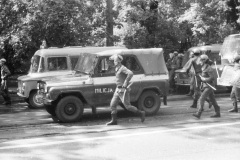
{"x":111,"y":137}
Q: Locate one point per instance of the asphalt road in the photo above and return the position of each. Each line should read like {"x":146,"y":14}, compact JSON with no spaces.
{"x":171,"y":134}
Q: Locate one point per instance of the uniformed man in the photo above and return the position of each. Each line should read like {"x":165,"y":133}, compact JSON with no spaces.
{"x":193,"y":67}
{"x":207,"y":85}
{"x":191,"y":75}
{"x":4,"y":87}
{"x":174,"y":65}
{"x":235,"y":93}
{"x":122,"y":92}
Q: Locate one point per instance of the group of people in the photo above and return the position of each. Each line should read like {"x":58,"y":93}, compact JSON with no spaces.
{"x":202,"y":83}
{"x":173,"y":63}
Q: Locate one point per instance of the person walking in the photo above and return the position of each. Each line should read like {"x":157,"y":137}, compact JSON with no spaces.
{"x":174,"y":65}
{"x":122,"y":92}
{"x":193,"y":67}
{"x":235,"y":93}
{"x":4,"y":77}
{"x":207,"y":85}
{"x":191,"y":75}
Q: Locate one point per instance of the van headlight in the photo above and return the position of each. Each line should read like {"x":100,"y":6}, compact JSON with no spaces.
{"x":23,"y":86}
{"x":41,"y":86}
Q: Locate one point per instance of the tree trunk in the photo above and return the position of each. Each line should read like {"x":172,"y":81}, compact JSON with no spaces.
{"x":109,"y":19}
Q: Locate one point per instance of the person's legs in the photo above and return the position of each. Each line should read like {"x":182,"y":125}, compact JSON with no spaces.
{"x":191,"y":89}
{"x":113,"y":106}
{"x":204,"y":95}
{"x":196,"y":95}
{"x":209,"y":102}
{"x":233,"y":97}
{"x":5,"y":93}
{"x":171,"y":81}
{"x":125,"y":98}
{"x":215,"y":105}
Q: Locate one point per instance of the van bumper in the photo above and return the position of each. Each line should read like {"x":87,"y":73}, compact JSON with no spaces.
{"x":47,"y":102}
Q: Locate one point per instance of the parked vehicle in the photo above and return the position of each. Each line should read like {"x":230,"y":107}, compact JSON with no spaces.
{"x":230,"y":49}
{"x":93,"y":83}
{"x":182,"y":79}
{"x":50,"y":63}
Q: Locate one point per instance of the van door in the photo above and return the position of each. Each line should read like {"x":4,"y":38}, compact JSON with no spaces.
{"x":103,"y":81}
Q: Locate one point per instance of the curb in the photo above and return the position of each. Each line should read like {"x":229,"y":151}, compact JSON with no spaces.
{"x":184,"y":97}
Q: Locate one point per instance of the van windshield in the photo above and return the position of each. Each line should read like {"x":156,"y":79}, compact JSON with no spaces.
{"x":85,"y":63}
{"x":37,"y":64}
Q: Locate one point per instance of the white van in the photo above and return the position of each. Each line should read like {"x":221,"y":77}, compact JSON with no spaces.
{"x":49,"y":63}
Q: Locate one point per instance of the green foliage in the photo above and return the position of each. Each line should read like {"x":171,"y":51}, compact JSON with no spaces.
{"x":173,"y":25}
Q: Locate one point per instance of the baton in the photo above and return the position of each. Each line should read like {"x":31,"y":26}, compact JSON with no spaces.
{"x":208,"y":84}
{"x":196,"y":81}
{"x":126,"y":91}
{"x":216,"y":68}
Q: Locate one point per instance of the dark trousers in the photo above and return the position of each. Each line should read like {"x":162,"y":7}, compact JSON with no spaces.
{"x":208,"y":92}
{"x":4,"y":91}
{"x":118,"y":96}
{"x":171,"y":79}
{"x":235,"y":94}
{"x":196,"y":82}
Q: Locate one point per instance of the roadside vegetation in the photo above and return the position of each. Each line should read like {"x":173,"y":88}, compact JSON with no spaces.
{"x":171,"y":24}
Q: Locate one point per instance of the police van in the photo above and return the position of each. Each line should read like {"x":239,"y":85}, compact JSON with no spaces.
{"x":93,"y":83}
{"x":49,"y":63}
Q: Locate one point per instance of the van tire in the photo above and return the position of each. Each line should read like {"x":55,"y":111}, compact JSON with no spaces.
{"x":150,"y":102}
{"x":33,"y":103}
{"x":69,"y":109}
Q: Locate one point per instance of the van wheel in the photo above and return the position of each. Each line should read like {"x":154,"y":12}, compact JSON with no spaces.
{"x":35,"y":101}
{"x":69,"y":109}
{"x":149,"y":102}
{"x":51,"y":110}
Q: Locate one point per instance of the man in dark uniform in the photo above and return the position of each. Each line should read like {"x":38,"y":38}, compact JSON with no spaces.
{"x":191,"y":75}
{"x":122,"y":92}
{"x":194,"y":68}
{"x":235,"y":93}
{"x":4,"y":87}
{"x":207,"y":85}
{"x":174,"y":65}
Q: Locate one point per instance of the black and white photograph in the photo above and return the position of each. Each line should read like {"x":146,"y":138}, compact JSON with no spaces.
{"x":120,"y":79}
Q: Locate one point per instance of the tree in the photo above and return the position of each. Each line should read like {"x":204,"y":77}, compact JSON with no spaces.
{"x":109,"y":21}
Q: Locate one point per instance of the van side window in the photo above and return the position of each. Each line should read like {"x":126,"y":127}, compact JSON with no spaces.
{"x":131,"y":63}
{"x":73,"y":62}
{"x":42,"y":66}
{"x":105,"y":67}
{"x":57,"y":63}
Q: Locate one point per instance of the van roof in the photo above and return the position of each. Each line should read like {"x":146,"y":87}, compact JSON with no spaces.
{"x":73,"y":50}
{"x":233,"y":36}
{"x":212,"y":47}
{"x":151,"y":59}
